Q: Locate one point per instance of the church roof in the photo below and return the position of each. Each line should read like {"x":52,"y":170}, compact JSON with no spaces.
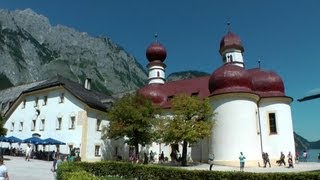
{"x":161,"y":94}
{"x":92,"y":98}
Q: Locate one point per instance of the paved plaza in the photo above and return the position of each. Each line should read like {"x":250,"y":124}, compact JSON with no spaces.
{"x":19,"y":169}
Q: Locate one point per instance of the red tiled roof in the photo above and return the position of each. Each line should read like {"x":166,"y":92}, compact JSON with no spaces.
{"x":161,"y":94}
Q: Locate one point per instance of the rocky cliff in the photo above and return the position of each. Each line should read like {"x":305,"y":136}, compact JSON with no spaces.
{"x":31,"y":49}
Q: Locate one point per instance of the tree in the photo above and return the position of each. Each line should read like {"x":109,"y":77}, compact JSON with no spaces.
{"x":3,"y":131}
{"x":191,"y":121}
{"x":132,"y":117}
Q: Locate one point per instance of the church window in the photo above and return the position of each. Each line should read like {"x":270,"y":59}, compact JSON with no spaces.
{"x":58,"y":123}
{"x":272,"y":123}
{"x":158,"y":74}
{"x":96,"y":150}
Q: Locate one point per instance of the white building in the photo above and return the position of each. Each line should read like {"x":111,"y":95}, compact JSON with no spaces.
{"x":253,"y":114}
{"x":64,"y":110}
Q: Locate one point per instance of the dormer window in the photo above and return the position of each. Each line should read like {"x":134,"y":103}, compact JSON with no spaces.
{"x":45,"y":100}
{"x":170,"y":97}
{"x":36,"y":102}
{"x":24,"y":104}
{"x":12,"y":126}
{"x":194,"y":94}
{"x":61,"y":98}
{"x":99,"y":124}
{"x":21,"y":126}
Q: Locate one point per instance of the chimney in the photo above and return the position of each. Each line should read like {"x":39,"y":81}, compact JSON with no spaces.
{"x":87,"y":84}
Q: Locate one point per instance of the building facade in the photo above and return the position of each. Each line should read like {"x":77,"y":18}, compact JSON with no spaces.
{"x":63,"y":110}
{"x":253,"y":114}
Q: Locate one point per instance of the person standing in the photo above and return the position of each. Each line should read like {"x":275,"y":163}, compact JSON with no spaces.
{"x":54,"y":157}
{"x":28,"y":152}
{"x":3,"y":170}
{"x":242,"y":160}
{"x":290,"y":160}
{"x":211,"y":159}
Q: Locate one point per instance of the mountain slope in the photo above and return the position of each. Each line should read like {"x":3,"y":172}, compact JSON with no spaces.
{"x":31,"y":50}
{"x":185,"y":75}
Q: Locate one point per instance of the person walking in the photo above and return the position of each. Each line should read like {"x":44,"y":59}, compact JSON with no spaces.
{"x":242,"y":161}
{"x":211,"y":159}
{"x":3,"y":170}
{"x":290,"y":160}
{"x":267,"y":160}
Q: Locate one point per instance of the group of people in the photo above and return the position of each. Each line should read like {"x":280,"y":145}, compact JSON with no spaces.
{"x":282,"y":160}
{"x":265,"y":157}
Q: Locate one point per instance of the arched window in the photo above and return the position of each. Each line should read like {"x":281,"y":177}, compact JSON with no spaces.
{"x":158,"y":74}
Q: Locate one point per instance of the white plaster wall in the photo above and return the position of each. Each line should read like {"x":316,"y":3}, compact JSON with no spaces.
{"x":283,"y":140}
{"x":236,"y":129}
{"x":49,"y":112}
{"x":153,"y":74}
{"x":94,"y":136}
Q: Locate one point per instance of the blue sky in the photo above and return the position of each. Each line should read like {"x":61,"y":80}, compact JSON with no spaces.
{"x":284,"y":35}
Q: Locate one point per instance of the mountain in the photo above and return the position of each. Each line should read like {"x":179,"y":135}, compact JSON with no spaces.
{"x":185,"y":75}
{"x":300,"y":142}
{"x":303,"y":144}
{"x":31,"y":49}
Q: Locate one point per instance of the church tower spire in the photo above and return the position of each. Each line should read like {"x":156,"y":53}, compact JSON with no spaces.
{"x":231,"y":49}
{"x":156,"y":54}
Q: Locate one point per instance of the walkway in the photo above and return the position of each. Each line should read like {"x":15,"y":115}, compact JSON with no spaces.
{"x":19,"y":169}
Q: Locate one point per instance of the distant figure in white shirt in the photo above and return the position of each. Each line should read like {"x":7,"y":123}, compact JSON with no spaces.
{"x":28,"y":152}
{"x":3,"y":170}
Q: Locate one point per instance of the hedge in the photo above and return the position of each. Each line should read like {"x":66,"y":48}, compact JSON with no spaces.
{"x":104,"y":169}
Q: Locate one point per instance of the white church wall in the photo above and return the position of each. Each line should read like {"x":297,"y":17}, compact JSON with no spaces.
{"x":235,"y":130}
{"x":283,"y":140}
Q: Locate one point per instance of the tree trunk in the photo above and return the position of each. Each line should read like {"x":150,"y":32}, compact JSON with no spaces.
{"x":136,"y":148}
{"x":184,"y":153}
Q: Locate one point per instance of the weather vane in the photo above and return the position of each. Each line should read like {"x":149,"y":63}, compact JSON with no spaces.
{"x":228,"y":25}
{"x":259,"y":63}
{"x":156,"y":37}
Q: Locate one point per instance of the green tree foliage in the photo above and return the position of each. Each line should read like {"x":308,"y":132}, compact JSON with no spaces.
{"x":191,"y":121}
{"x":3,"y":131}
{"x":132,"y":117}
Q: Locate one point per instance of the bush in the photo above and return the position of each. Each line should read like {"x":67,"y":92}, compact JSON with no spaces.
{"x":118,"y":170}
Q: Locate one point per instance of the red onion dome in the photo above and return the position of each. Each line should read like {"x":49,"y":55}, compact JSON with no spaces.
{"x":266,"y":83}
{"x":230,"y":41}
{"x":154,"y":93}
{"x":156,"y":52}
{"x":230,"y":78}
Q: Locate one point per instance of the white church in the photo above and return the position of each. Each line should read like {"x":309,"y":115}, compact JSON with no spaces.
{"x":253,"y":114}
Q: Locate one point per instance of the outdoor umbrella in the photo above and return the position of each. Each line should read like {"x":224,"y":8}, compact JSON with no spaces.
{"x":13,"y":139}
{"x":3,"y":139}
{"x":51,"y":141}
{"x":33,"y":140}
